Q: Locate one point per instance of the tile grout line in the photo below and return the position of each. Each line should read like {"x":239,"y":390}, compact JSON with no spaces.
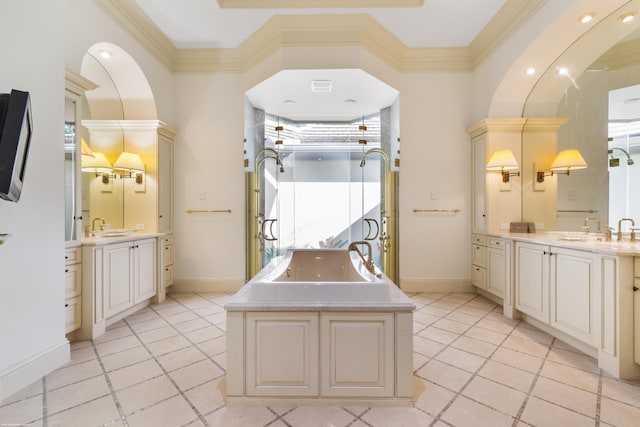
{"x":116,"y":401}
{"x":599,"y":399}
{"x":45,"y":420}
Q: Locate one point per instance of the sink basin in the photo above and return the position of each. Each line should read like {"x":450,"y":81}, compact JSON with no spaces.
{"x":117,"y":232}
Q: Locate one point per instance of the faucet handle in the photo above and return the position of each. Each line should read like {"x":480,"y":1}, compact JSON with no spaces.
{"x":586,"y":229}
{"x":633,"y":233}
{"x":608,"y":233}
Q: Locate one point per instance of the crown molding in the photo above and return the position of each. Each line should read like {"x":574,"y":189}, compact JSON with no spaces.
{"x":511,"y":16}
{"x":319,"y":30}
{"x":301,"y":4}
{"x":77,"y":84}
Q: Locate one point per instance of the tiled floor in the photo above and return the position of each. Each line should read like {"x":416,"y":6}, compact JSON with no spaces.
{"x":165,"y":366}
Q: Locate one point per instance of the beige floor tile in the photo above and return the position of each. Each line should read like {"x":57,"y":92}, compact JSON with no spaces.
{"x":209,"y":396}
{"x":444,"y":375}
{"x":438,"y":335}
{"x":125,"y":358}
{"x":397,"y":417}
{"x":74,"y":373}
{"x":541,"y":413}
{"x":423,"y":299}
{"x":619,"y":414}
{"x":474,"y":346}
{"x":463,"y":318}
{"x":168,"y":345}
{"x":518,"y":360}
{"x":466,"y":412}
{"x":99,"y":412}
{"x":526,"y":332}
{"x":447,"y":305}
{"x":424,"y":318}
{"x":507,"y":375}
{"x":564,"y":346}
{"x":82,"y":355}
{"x":204,"y":334}
{"x":195,"y":374}
{"x":216,"y":318}
{"x":214,"y":346}
{"x":77,"y":393}
{"x":417,"y":327}
{"x":566,"y":396}
{"x":142,"y":316}
{"x":208,"y":310}
{"x":473,"y":311}
{"x":113,"y":334}
{"x":463,"y":298}
{"x":571,"y":376}
{"x":31,"y":390}
{"x":221,"y":360}
{"x":451,"y":326}
{"x":117,"y":345}
{"x":419,"y":360}
{"x":191,"y":325}
{"x":180,"y":358}
{"x":172,"y":412}
{"x":20,"y":412}
{"x":627,"y":392}
{"x":145,"y":394}
{"x":485,"y":335}
{"x":522,"y":345}
{"x":461,"y":359}
{"x":181,"y":317}
{"x":78,"y":345}
{"x":430,"y":397}
{"x":435,"y":311}
{"x":174,"y":308}
{"x":426,"y":347}
{"x":148,"y":325}
{"x":241,"y":417}
{"x":497,"y":396}
{"x":482,"y":303}
{"x":158,"y":334}
{"x":496,"y":326}
{"x":318,"y":417}
{"x":573,"y":359}
{"x":134,"y":374}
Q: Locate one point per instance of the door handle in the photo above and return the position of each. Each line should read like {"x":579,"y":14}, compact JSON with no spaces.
{"x":264,"y":226}
{"x":369,"y":221}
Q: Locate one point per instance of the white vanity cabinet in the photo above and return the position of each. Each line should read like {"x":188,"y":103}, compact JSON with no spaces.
{"x":479,"y":261}
{"x":73,"y":288}
{"x":559,"y":287}
{"x":120,"y":276}
{"x":498,"y":268}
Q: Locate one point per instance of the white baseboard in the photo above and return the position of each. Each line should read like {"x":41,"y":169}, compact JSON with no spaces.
{"x":436,"y":285}
{"x":27,"y":371}
{"x":205,"y":285}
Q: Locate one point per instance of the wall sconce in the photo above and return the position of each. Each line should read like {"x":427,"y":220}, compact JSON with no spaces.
{"x":503,"y":161}
{"x":130,"y":162}
{"x":565,"y":162}
{"x":97,"y":163}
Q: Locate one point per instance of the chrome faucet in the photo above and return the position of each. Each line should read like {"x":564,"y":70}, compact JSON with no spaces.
{"x":368,"y":263}
{"x":633,"y":224}
{"x":586,"y":228}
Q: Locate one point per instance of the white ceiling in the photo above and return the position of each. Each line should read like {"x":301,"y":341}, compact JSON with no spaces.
{"x":203,"y":24}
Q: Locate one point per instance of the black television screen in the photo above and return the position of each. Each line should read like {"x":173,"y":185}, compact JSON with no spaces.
{"x":15,"y":136}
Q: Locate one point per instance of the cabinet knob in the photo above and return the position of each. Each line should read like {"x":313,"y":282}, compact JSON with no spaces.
{"x":635,"y":289}
{"x":66,"y":305}
{"x":66,"y":270}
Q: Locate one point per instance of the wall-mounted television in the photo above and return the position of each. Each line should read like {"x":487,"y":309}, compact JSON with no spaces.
{"x":15,"y":136}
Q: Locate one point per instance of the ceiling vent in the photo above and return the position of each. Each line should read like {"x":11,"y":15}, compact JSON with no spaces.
{"x":321,"y":86}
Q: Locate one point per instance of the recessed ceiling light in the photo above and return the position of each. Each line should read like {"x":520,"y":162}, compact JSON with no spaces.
{"x":530,"y":71}
{"x":586,"y":18}
{"x":350,"y":101}
{"x":321,"y":86}
{"x":628,"y":17}
{"x":105,"y":53}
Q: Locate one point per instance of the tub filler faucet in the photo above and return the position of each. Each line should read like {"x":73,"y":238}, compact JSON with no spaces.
{"x":368,"y":263}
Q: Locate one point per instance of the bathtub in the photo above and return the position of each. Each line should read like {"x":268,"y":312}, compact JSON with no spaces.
{"x":318,"y":328}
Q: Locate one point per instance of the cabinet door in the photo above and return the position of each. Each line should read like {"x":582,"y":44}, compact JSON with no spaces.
{"x":497,"y":271}
{"x":145,"y":269}
{"x":532,"y":280}
{"x":479,"y":172}
{"x":118,"y":292}
{"x":357,"y":354}
{"x":282,"y":354}
{"x":574,"y":294}
{"x":165,"y":177}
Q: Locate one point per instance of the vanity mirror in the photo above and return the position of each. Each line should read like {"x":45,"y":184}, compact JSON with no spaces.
{"x":595,"y":87}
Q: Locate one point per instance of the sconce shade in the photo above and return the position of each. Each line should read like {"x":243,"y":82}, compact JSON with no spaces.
{"x":85,"y":150}
{"x":568,"y":160}
{"x":129,"y":162}
{"x":502,"y":160}
{"x":96,"y":164}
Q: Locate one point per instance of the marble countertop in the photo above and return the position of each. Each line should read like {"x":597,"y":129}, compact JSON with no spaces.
{"x":101,"y":240}
{"x":592,"y":242}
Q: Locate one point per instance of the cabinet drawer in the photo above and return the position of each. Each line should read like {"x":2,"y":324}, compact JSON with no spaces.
{"x":168,"y":239}
{"x":167,"y":257}
{"x":168,"y":275}
{"x":479,"y":255}
{"x":636,"y":267}
{"x":479,"y":239}
{"x":72,"y":255}
{"x":72,"y":280}
{"x":479,"y":277}
{"x":73,"y":314}
{"x":495,"y":242}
